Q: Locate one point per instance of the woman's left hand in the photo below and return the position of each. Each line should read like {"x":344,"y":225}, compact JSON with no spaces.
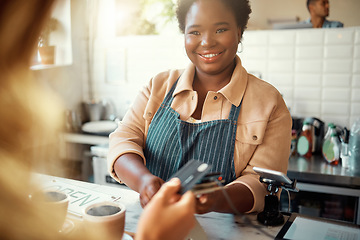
{"x":207,"y":202}
{"x":239,"y":199}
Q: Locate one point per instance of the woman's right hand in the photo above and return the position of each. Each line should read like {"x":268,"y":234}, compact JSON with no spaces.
{"x":150,"y":184}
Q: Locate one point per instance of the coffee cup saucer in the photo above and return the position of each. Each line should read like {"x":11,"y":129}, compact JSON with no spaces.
{"x":67,"y":227}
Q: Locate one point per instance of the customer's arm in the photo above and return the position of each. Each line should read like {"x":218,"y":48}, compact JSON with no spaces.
{"x":169,"y":215}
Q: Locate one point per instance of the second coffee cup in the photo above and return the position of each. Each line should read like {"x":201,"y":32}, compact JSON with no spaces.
{"x":105,"y":218}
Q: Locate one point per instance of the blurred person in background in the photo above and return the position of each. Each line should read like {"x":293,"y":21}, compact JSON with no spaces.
{"x":319,"y":11}
{"x":30,"y":121}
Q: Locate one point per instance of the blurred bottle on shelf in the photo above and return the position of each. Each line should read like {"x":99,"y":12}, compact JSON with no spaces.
{"x":331,"y":149}
{"x":344,"y":154}
{"x":331,"y":145}
{"x":331,"y":129}
{"x":305,"y":141}
{"x":317,"y":130}
{"x":354,"y":146}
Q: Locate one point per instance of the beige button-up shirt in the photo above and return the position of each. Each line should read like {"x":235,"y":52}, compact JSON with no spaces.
{"x":264,"y":125}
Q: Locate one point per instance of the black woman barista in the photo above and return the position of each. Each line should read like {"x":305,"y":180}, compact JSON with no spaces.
{"x":212,"y":111}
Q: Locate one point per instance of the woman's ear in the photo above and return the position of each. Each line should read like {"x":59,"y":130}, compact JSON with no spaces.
{"x":239,"y":34}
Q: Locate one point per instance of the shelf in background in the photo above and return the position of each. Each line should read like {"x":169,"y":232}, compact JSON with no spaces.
{"x":60,"y":37}
{"x":48,"y":66}
{"x":88,"y":139}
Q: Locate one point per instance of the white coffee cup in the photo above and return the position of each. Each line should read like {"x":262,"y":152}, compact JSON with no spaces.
{"x":54,"y":201}
{"x":105,"y":218}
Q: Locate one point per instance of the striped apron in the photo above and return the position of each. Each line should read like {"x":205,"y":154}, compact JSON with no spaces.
{"x":171,"y":142}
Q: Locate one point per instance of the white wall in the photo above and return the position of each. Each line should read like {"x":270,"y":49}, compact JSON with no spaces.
{"x":316,"y":70}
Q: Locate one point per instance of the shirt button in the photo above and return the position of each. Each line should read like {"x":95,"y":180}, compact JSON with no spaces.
{"x":215,"y":97}
{"x":149,"y":114}
{"x":254,"y":137}
{"x":192,"y":98}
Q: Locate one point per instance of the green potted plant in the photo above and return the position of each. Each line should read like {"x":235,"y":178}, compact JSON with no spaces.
{"x":46,"y":51}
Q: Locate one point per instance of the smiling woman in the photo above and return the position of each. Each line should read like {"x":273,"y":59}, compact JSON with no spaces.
{"x":213,"y":111}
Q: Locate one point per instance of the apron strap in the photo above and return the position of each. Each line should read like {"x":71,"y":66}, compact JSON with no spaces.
{"x":169,"y":98}
{"x":234,"y":112}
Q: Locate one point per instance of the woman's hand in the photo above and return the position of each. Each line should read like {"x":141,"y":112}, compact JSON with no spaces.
{"x":239,"y":199}
{"x":207,"y":202}
{"x":168,"y":215}
{"x":150,"y":184}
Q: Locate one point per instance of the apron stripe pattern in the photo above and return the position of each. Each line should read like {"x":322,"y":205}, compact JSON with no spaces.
{"x":171,"y":142}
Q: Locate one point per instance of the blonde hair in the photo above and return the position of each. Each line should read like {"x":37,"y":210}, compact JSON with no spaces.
{"x":30,"y":120}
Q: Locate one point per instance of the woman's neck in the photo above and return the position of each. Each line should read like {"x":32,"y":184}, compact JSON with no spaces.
{"x":206,"y":82}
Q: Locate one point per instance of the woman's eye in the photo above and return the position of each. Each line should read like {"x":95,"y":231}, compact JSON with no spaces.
{"x":194,"y":33}
{"x":221,"y":30}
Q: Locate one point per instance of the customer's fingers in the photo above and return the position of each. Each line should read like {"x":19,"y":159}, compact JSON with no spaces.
{"x":188,"y":199}
{"x":168,"y":191}
{"x":170,"y":188}
{"x":144,"y":199}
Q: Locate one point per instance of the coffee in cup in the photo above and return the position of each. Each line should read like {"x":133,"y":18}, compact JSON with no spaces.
{"x":105,"y":218}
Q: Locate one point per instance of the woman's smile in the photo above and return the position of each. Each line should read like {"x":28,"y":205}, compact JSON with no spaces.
{"x":210,"y":57}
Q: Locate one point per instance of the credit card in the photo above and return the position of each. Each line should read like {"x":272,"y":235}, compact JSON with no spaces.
{"x":191,"y":173}
{"x":211,"y":177}
{"x":209,"y":183}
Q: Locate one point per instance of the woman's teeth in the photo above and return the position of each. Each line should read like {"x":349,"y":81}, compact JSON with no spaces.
{"x":210,"y":55}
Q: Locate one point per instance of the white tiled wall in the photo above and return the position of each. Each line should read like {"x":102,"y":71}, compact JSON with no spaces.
{"x":316,"y":70}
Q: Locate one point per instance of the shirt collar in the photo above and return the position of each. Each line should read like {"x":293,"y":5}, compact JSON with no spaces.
{"x":233,"y":91}
{"x":326,"y":22}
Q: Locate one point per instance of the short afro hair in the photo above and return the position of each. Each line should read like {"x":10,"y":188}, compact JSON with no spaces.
{"x":240,"y":8}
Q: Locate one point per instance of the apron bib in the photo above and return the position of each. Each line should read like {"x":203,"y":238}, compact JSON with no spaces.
{"x":171,"y":142}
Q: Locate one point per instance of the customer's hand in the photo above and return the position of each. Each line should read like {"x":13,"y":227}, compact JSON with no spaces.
{"x":168,"y":215}
{"x":150,"y":184}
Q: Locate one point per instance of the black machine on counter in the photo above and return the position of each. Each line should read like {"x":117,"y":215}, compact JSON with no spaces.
{"x":271,"y":215}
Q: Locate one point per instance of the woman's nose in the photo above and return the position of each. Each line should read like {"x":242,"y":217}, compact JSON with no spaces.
{"x":207,"y":40}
